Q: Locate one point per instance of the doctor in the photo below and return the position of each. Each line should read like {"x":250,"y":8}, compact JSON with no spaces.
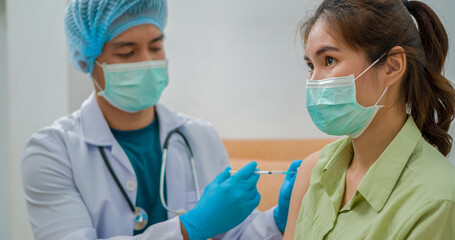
{"x":96,"y":173}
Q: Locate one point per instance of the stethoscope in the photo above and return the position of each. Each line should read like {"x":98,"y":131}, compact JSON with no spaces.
{"x":140,"y":215}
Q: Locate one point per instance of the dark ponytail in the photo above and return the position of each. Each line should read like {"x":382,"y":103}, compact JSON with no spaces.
{"x":375,"y":27}
{"x":434,"y":114}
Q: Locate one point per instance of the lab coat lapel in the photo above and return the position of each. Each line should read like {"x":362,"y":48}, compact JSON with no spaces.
{"x":96,"y":131}
{"x":169,"y":120}
{"x":175,"y":172}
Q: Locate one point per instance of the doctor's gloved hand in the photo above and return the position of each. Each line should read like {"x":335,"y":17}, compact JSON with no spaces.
{"x":225,"y":203}
{"x":281,"y":211}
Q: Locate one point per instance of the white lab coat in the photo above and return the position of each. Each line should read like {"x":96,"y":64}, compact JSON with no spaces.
{"x":70,"y":193}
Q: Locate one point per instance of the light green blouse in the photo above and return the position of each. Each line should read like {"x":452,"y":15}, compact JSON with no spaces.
{"x":408,"y":193}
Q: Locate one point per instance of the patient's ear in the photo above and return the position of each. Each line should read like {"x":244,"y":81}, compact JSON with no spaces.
{"x":395,"y":66}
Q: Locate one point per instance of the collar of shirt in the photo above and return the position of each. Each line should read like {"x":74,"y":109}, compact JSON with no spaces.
{"x":382,"y":176}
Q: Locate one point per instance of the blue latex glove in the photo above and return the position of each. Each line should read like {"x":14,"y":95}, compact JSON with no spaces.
{"x":225,"y":203}
{"x":281,"y":211}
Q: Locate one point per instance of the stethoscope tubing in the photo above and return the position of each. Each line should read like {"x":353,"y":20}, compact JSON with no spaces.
{"x":163,"y":169}
{"x":162,"y":173}
{"x":108,"y":164}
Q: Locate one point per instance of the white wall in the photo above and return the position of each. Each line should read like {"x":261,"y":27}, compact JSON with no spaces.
{"x":37,"y":87}
{"x":5,"y":183}
{"x":234,"y":63}
{"x":238,"y":65}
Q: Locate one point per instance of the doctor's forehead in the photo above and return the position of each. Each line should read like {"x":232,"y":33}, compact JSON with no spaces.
{"x":146,"y":33}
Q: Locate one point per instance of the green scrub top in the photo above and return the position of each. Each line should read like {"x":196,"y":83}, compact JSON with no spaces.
{"x":408,"y":193}
{"x":143,"y":149}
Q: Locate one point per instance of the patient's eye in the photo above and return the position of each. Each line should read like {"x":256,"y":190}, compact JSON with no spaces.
{"x":329,"y":61}
{"x":310,"y":66}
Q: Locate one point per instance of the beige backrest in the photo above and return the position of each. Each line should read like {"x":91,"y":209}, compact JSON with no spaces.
{"x":284,"y":150}
{"x":270,"y":155}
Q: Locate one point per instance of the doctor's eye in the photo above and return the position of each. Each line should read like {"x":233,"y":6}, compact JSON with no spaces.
{"x":155,"y":49}
{"x":125,"y":55}
{"x":329,"y":61}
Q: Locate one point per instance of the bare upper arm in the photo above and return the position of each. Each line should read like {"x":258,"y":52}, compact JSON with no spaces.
{"x":302,"y":183}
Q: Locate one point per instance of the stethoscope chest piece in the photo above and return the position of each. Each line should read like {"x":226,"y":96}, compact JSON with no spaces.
{"x":140,"y":218}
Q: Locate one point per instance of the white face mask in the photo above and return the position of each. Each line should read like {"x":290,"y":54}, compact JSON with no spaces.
{"x":333,"y":106}
{"x":132,"y":87}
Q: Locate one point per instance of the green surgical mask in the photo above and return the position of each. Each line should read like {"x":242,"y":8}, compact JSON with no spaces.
{"x":333,"y":106}
{"x":132,"y":87}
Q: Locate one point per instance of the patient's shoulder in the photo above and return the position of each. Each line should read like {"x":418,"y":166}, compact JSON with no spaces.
{"x":309,"y":162}
{"x":316,"y":160}
{"x":325,"y":153}
{"x":302,"y":182}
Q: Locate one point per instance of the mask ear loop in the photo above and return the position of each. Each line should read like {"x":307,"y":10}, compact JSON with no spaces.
{"x":312,"y":76}
{"x":96,"y":81}
{"x":368,"y":68}
{"x":382,"y":95}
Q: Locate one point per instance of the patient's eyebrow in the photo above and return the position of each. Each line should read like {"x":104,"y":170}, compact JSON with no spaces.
{"x":322,"y":51}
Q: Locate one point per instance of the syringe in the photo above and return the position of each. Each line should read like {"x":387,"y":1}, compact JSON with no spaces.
{"x":266,"y":172}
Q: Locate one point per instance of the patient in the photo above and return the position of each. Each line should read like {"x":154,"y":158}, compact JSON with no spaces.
{"x":376,"y":78}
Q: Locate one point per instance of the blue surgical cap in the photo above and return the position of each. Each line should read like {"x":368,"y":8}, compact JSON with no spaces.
{"x":89,"y":24}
